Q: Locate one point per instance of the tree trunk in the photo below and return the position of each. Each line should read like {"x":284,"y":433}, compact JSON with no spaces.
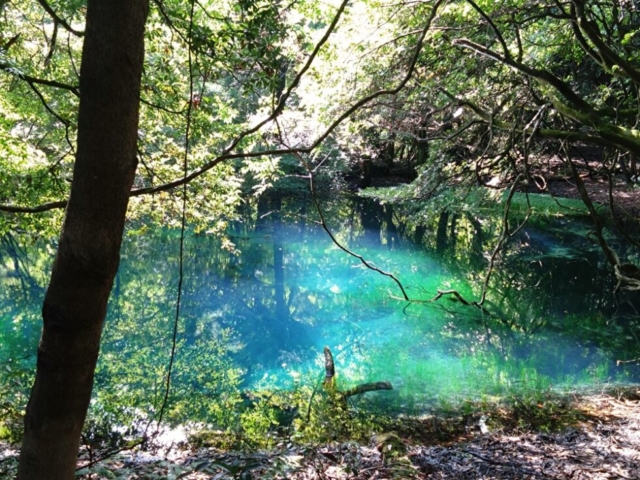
{"x":441,"y":234}
{"x":422,"y":145}
{"x":389,"y":152}
{"x":366,"y":166}
{"x":88,"y":253}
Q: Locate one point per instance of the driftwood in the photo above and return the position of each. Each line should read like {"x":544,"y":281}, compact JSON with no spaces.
{"x":330,"y":377}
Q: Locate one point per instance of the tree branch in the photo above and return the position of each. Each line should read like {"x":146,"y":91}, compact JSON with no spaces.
{"x":64,"y":121}
{"x":38,"y":81}
{"x":328,"y":231}
{"x":595,"y":217}
{"x":497,"y":32}
{"x":227,"y":152}
{"x":540,"y":75}
{"x":10,"y":42}
{"x":609,"y":56}
{"x":59,"y":19}
{"x":160,"y":107}
{"x":45,"y":207}
{"x":608,"y":135}
{"x":583,"y":42}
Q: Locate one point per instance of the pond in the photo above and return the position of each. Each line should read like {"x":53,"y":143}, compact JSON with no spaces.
{"x":258,"y":309}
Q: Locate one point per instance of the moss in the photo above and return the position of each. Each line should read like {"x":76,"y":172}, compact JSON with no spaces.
{"x":546,"y":205}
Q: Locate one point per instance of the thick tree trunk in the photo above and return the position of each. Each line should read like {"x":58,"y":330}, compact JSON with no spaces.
{"x":88,"y":253}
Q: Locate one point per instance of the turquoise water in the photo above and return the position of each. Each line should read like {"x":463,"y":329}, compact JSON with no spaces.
{"x":260,"y":316}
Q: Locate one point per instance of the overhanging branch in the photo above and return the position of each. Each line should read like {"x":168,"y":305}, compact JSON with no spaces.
{"x":228,"y":154}
{"x":540,"y":75}
{"x":608,"y":135}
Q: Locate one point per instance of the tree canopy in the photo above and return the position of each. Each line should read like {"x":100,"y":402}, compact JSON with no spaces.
{"x":463,"y":90}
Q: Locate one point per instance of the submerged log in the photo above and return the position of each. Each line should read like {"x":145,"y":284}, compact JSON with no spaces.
{"x":330,"y":376}
{"x":330,"y":369}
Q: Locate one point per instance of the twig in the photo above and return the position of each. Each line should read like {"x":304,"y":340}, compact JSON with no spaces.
{"x":325,"y":227}
{"x":501,"y":464}
{"x":624,"y":362}
{"x":503,"y":236}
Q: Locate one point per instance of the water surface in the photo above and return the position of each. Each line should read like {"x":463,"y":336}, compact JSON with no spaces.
{"x":259,"y":318}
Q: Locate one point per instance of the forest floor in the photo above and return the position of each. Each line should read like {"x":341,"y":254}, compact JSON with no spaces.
{"x":581,"y":437}
{"x":624,"y":196}
{"x":552,"y":177}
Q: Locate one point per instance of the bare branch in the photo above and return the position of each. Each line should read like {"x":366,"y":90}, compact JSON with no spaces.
{"x":335,"y":241}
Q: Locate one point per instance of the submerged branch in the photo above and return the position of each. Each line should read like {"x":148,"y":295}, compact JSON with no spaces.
{"x":461,"y":299}
{"x":367,"y":387}
{"x":624,"y":362}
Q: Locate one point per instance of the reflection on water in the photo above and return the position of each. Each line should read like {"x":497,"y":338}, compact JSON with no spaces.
{"x":261,"y":318}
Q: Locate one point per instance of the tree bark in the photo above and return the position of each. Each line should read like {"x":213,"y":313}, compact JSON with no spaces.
{"x":89,"y":249}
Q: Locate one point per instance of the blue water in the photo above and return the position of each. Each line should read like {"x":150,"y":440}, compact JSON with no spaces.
{"x":260,"y":318}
